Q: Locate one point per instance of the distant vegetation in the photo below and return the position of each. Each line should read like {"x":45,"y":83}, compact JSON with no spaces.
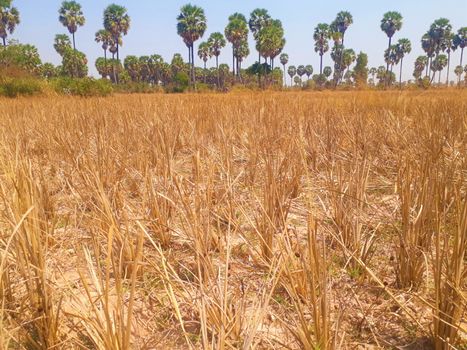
{"x":151,"y":73}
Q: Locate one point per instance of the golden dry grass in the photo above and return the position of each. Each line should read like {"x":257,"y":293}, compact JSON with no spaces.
{"x":332,"y":220}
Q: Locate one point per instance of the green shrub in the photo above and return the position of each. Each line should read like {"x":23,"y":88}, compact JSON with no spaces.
{"x":20,"y":87}
{"x":181,"y":83}
{"x":85,"y":87}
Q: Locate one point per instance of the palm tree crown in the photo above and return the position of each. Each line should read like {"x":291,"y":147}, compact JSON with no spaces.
{"x":391,"y":23}
{"x":191,"y":25}
{"x":105,"y":38}
{"x":292,"y":71}
{"x":71,"y":16}
{"x":404,"y":47}
{"x":116,"y":21}
{"x":460,"y":41}
{"x":204,"y":52}
{"x":236,"y":33}
{"x":270,"y":40}
{"x":9,"y":19}
{"x":439,"y":30}
{"x":321,"y":36}
{"x":216,"y":42}
{"x":258,"y":19}
{"x":342,"y":22}
{"x":284,"y":58}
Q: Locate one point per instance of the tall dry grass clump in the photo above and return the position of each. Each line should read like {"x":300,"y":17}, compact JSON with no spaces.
{"x":327,"y":220}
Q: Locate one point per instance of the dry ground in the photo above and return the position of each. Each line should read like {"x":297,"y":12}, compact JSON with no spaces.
{"x":332,"y":220}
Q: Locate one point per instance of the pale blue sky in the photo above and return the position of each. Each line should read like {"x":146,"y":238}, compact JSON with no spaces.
{"x":153,"y":27}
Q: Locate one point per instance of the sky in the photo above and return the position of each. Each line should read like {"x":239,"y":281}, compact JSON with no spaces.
{"x":153,"y":26}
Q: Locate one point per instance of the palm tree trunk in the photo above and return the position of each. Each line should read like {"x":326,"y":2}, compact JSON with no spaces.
{"x":205,"y":72}
{"x":113,"y":68}
{"x":189,"y":64}
{"x":434,"y":71}
{"x":439,"y":78}
{"x":341,"y":75}
{"x":74,"y":45}
{"x":118,"y":60}
{"x":285,"y":77}
{"x":240,"y":70}
{"x":449,"y":62}
{"x":105,"y":62}
{"x":462,"y":53}
{"x":400,"y":75}
{"x":427,"y":66}
{"x":217,"y":69}
{"x":233,"y":61}
{"x":388,"y":77}
{"x":387,"y":63}
{"x":321,"y":63}
{"x":259,"y":67}
{"x":193,"y":64}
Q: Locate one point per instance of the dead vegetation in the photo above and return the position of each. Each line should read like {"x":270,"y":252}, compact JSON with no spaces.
{"x":242,"y":221}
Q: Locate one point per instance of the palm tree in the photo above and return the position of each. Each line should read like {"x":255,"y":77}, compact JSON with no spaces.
{"x":191,"y":26}
{"x":270,"y":41}
{"x":216,"y":42}
{"x":297,"y":80}
{"x":447,"y":45}
{"x":338,"y":28}
{"x":390,"y":24}
{"x":177,"y":64}
{"x":9,"y":19}
{"x":438,"y":65}
{"x":381,"y":74}
{"x":236,"y":33}
{"x":117,"y":22}
{"x":420,"y":65}
{"x":71,"y":16}
{"x":300,"y":72}
{"x":275,"y":33}
{"x":342,"y":22}
{"x":204,"y":53}
{"x":133,"y":67}
{"x":348,"y":57}
{"x":156,"y":62}
{"x":327,"y":71}
{"x":458,"y":70}
{"x":321,"y":36}
{"x":403,"y":48}
{"x":440,"y":31}
{"x":258,"y":19}
{"x":144,"y":69}
{"x":284,"y":58}
{"x":460,"y":41}
{"x":428,"y":45}
{"x":308,"y":71}
{"x":62,"y":44}
{"x":241,"y":52}
{"x":292,"y":71}
{"x":336,"y":56}
{"x":105,"y":38}
{"x":391,"y":58}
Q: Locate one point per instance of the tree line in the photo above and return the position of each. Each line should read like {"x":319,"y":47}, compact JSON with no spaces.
{"x":349,"y":68}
